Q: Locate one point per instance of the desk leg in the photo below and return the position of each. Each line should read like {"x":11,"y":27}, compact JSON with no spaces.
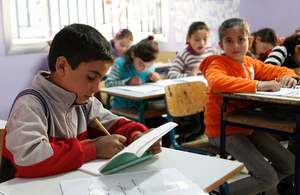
{"x":142,"y":112}
{"x":297,"y":158}
{"x":223,"y":128}
{"x":108,"y":102}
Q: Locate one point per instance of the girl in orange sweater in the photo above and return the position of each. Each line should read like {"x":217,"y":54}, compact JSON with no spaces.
{"x":236,"y":72}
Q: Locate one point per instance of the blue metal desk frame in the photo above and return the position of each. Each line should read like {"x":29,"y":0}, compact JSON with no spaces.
{"x":266,"y":100}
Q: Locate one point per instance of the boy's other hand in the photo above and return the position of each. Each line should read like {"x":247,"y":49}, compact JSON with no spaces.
{"x":287,"y":81}
{"x":135,"y":81}
{"x":156,"y":147}
{"x":268,"y":86}
{"x":154,"y":76}
{"x":109,"y":145}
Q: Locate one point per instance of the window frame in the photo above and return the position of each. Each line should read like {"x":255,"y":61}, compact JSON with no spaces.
{"x":15,"y":49}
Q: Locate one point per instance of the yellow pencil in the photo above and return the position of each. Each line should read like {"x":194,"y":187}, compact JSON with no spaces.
{"x":101,"y":126}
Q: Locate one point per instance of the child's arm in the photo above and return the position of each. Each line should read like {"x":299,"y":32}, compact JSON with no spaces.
{"x":177,"y":68}
{"x":114,"y":78}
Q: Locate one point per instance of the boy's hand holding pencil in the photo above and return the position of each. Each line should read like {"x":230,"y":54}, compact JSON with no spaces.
{"x":108,"y":146}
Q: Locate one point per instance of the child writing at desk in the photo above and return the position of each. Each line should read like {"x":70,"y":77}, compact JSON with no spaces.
{"x":51,"y":127}
{"x":135,"y":68}
{"x":186,"y":63}
{"x":236,"y":72}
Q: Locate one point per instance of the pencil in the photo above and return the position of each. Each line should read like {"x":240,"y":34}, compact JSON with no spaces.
{"x":101,"y":126}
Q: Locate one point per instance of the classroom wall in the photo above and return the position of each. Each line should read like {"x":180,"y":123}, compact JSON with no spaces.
{"x":17,"y":71}
{"x":276,"y":14}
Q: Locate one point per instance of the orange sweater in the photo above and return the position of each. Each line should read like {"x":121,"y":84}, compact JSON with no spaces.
{"x":224,"y":74}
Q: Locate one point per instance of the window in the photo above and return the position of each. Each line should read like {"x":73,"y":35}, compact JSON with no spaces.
{"x":29,"y":24}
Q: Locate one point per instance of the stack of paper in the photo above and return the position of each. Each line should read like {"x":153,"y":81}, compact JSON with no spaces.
{"x":155,"y":182}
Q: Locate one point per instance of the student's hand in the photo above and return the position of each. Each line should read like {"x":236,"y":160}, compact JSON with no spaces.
{"x":287,"y":81}
{"x":156,"y":147}
{"x":109,"y":145}
{"x":268,"y":86}
{"x":135,"y":81}
{"x":195,"y":70}
{"x":154,"y":76}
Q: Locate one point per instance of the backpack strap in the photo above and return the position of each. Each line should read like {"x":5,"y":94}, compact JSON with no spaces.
{"x":42,"y":100}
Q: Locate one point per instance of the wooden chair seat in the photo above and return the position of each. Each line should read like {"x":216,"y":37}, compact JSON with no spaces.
{"x":204,"y":145}
{"x":289,"y":125}
{"x":152,"y":109}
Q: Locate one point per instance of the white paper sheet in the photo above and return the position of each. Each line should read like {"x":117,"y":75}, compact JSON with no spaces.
{"x":156,"y":182}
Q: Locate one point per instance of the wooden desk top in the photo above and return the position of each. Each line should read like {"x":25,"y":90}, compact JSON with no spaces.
{"x":115,"y":91}
{"x":263,"y":98}
{"x":208,"y":172}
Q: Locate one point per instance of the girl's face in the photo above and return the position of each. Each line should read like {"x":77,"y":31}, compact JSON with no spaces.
{"x":122,"y":45}
{"x":139,"y":64}
{"x":261,"y":48}
{"x":235,"y":44}
{"x":198,"y":40}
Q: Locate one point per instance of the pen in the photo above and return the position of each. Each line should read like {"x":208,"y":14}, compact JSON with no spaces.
{"x":298,"y":64}
{"x":101,"y":126}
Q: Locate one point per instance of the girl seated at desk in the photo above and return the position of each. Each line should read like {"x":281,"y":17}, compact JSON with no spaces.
{"x":236,"y":72}
{"x":135,"y":68}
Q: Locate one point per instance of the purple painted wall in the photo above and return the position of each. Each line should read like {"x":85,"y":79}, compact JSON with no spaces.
{"x":17,"y":71}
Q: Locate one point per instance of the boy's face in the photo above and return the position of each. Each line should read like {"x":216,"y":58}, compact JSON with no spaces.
{"x":122,"y":45}
{"x":85,"y":80}
{"x":198,"y":40}
{"x":235,"y":44}
{"x":139,"y":64}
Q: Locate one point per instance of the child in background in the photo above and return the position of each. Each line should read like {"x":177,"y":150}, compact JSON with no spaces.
{"x":236,"y":72}
{"x":121,"y":42}
{"x":287,"y":54}
{"x":263,"y":40}
{"x":51,"y":127}
{"x":186,"y":63}
{"x":134,"y":68}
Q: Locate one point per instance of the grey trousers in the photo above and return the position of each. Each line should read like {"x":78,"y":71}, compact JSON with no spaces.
{"x":253,"y":150}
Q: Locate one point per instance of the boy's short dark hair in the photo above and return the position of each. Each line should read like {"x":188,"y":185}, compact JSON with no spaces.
{"x":79,"y":43}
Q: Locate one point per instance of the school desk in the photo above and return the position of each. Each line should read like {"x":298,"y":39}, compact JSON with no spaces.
{"x":208,"y":172}
{"x":155,"y":97}
{"x":251,"y":120}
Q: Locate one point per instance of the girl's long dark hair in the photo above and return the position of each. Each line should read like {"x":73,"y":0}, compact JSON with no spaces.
{"x":147,"y":49}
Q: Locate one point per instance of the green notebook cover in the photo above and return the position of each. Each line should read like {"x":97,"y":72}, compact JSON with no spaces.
{"x":122,"y":161}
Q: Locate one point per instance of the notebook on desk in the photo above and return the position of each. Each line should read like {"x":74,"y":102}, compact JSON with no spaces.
{"x":132,"y":154}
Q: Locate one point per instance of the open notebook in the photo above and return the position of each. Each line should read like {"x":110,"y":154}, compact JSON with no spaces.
{"x":132,"y":154}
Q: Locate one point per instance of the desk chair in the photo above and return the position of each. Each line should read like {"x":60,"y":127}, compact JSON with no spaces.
{"x":185,"y":99}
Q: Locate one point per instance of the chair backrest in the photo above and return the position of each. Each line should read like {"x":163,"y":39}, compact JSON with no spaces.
{"x":166,"y":56}
{"x":185,"y":98}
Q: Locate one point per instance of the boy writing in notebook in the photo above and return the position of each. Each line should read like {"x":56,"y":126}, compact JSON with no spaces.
{"x":51,"y":127}
{"x":236,"y":72}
